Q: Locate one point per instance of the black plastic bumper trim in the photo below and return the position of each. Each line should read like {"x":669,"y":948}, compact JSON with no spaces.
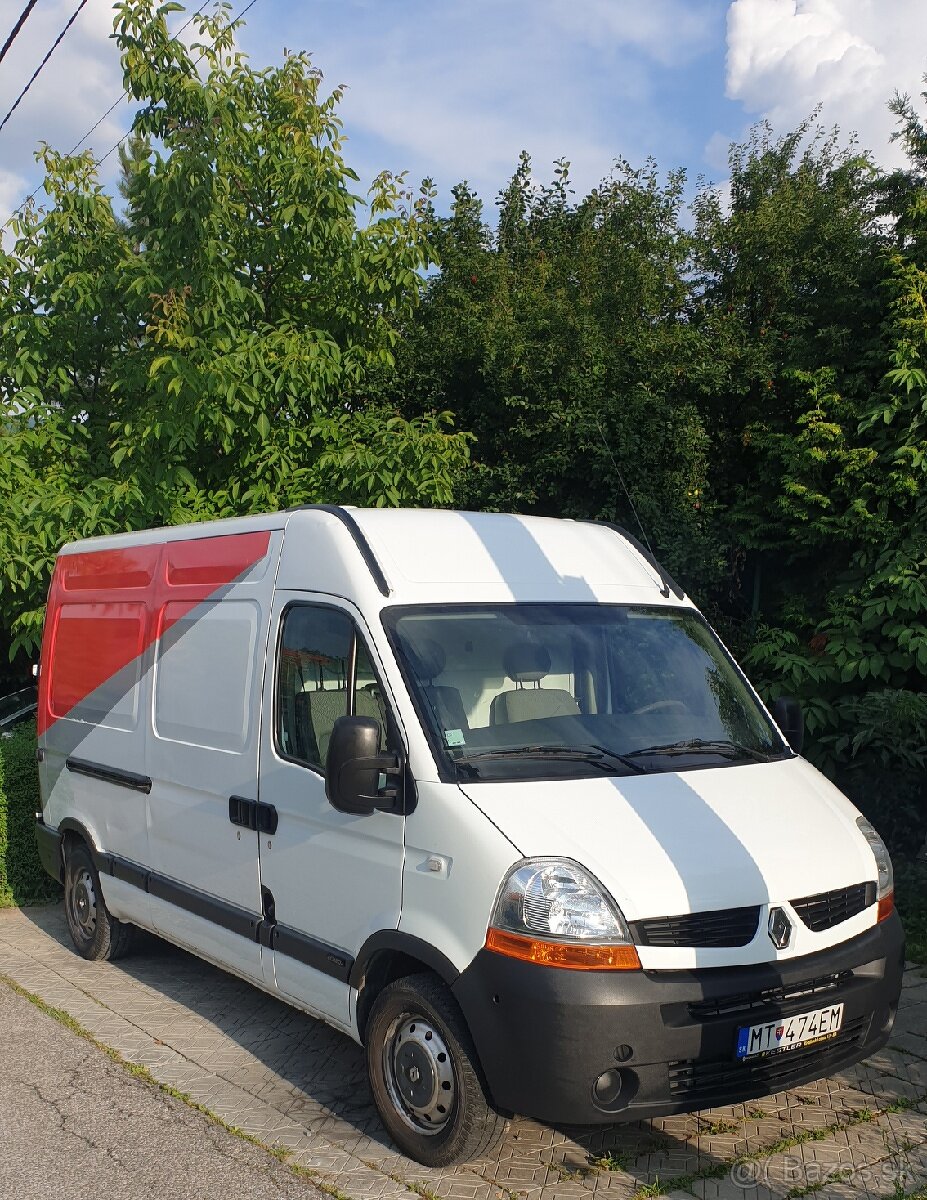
{"x":543,"y":1035}
{"x":48,"y":841}
{"x":114,"y":775}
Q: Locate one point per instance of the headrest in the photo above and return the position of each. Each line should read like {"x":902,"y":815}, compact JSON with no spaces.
{"x":427,"y":658}
{"x":526,"y":663}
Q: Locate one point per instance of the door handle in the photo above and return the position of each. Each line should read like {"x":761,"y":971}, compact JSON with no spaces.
{"x":252,"y":814}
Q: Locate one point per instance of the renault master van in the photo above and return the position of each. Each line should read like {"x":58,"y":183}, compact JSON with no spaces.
{"x":484,"y":792}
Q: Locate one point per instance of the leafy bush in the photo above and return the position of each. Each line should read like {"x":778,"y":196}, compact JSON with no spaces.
{"x":22,"y":877}
{"x":911,"y":898}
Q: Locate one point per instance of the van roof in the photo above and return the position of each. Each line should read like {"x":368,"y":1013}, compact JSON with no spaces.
{"x":412,"y":554}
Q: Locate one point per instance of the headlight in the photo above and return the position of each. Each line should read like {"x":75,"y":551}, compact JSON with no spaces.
{"x":883,"y":861}
{"x":551,"y":911}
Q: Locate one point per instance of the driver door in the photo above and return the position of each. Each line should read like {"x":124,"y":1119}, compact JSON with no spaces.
{"x":329,"y":879}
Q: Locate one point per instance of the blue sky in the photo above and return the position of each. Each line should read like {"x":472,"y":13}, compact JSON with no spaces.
{"x":456,"y":89}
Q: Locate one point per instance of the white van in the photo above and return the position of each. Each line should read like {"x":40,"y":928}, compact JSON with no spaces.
{"x":485,"y":792}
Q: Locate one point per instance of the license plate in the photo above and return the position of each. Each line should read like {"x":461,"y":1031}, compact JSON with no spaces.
{"x":788,"y":1033}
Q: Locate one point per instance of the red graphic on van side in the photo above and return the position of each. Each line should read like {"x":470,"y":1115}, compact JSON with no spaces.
{"x":105,"y":606}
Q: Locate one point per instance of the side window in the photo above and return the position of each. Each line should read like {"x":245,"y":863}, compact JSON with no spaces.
{"x":319,"y":653}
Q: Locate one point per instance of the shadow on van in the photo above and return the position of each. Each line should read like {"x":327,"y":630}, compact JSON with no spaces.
{"x":314,"y":1076}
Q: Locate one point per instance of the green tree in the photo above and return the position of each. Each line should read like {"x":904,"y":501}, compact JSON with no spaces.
{"x":787,"y":272}
{"x":211,"y":351}
{"x":839,"y":506}
{"x":560,"y":340}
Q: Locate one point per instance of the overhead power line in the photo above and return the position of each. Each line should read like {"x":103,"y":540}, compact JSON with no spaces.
{"x":119,"y":99}
{"x":234,"y":21}
{"x":32,"y":195}
{"x":16,"y":28}
{"x":35,"y":74}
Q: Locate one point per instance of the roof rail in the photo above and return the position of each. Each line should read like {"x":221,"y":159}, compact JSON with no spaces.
{"x":669,"y":584}
{"x":347,"y":520}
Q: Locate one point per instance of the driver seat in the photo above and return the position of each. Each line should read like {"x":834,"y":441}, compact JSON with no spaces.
{"x":525,"y":662}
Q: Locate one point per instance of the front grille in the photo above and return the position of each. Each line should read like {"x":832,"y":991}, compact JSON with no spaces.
{"x":827,"y":909}
{"x":707,"y":1083}
{"x":718,"y":927}
{"x":744,"y":1002}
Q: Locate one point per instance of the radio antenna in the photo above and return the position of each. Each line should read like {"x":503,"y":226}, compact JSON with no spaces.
{"x":608,"y":451}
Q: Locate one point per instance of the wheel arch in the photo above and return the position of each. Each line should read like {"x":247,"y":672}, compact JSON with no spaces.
{"x":390,"y":955}
{"x":73,"y":830}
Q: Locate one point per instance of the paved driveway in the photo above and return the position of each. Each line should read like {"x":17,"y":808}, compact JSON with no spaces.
{"x":292,"y":1082}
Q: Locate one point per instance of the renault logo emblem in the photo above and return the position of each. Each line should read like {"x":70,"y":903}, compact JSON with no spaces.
{"x":780,"y":928}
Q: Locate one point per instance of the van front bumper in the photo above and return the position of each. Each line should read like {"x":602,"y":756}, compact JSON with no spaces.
{"x":545,"y":1035}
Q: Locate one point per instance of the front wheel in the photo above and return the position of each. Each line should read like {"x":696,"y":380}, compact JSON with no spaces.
{"x":95,"y":933}
{"x":424,"y":1077}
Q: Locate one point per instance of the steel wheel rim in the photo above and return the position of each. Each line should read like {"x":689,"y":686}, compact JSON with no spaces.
{"x":82,"y":904}
{"x":419,"y":1074}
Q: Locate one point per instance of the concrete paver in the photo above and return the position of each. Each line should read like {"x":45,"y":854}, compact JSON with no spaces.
{"x":296,"y":1084}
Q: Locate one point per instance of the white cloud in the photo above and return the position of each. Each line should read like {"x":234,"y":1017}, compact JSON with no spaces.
{"x":454,"y":90}
{"x":79,"y":82}
{"x":786,"y":56}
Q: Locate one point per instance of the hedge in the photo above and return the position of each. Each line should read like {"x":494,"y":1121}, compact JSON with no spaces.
{"x":22,"y":878}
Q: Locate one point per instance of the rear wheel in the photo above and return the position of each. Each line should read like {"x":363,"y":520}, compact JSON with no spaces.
{"x":424,"y":1076}
{"x":95,"y":933}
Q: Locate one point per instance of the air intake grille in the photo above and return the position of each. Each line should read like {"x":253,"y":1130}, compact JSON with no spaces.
{"x":827,"y":909}
{"x":745,"y":1002}
{"x":707,"y":1082}
{"x":719,"y":927}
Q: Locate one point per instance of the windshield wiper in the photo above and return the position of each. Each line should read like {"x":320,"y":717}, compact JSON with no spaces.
{"x":704,"y":746}
{"x":599,"y":755}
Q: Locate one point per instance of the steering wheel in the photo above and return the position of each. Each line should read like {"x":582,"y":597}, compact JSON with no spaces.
{"x":661,"y":706}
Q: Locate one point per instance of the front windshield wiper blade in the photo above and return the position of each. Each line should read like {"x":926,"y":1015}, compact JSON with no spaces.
{"x":704,"y":746}
{"x":599,"y":755}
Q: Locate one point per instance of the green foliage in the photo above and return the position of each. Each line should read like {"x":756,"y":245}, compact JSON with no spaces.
{"x":22,"y":877}
{"x":911,"y":899}
{"x":213,"y":352}
{"x":749,"y":380}
{"x":560,"y":340}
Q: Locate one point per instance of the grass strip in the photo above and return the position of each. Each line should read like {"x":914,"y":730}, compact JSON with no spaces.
{"x":280,"y":1153}
{"x":719,"y":1169}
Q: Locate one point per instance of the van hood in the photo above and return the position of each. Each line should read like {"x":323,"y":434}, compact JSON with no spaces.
{"x":678,"y":842}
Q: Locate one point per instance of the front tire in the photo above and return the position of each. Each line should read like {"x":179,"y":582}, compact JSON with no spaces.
{"x":95,"y":933}
{"x":424,"y":1076}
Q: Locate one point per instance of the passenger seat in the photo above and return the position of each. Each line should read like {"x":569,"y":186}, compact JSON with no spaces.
{"x":527,"y":663}
{"x":429,"y":660}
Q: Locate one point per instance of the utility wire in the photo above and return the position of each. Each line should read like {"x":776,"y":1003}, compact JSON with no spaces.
{"x":119,"y":99}
{"x":16,"y":28}
{"x":32,"y":195}
{"x":232,"y":23}
{"x":35,"y":74}
{"x":608,"y":450}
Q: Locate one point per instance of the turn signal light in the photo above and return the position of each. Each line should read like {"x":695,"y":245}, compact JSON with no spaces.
{"x":573,"y":955}
{"x":886,"y":906}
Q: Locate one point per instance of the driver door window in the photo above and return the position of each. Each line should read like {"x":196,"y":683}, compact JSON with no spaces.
{"x":323,"y":672}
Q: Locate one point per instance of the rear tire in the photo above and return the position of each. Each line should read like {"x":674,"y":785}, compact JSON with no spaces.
{"x":424,"y":1075}
{"x":95,"y":933}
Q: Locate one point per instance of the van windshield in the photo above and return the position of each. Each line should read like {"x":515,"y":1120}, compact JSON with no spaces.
{"x":551,"y":691}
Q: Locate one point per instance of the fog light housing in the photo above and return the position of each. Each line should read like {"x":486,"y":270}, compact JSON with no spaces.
{"x":607,"y":1088}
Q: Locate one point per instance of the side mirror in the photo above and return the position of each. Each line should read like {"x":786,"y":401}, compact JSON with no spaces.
{"x":353,"y":767}
{"x":786,"y":712}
